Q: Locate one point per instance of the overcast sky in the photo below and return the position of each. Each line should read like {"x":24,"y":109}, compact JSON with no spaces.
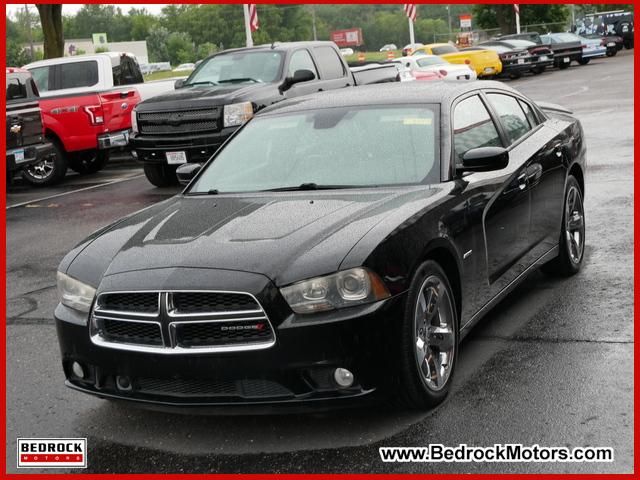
{"x":70,"y":9}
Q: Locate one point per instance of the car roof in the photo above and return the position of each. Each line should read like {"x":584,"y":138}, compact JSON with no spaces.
{"x":394,"y":93}
{"x":279,"y":46}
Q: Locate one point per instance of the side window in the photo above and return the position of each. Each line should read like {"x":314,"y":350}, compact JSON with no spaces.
{"x":16,"y":89}
{"x":301,"y":60}
{"x":41,"y":75}
{"x":78,"y":74}
{"x":511,"y":115}
{"x":130,"y":71}
{"x":529,"y":113}
{"x":331,"y":64}
{"x":473,"y":127}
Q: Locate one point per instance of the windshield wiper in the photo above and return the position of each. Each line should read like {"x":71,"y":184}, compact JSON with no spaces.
{"x":308,"y":186}
{"x":242,"y":79}
{"x":205,"y":82}
{"x":213,"y":191}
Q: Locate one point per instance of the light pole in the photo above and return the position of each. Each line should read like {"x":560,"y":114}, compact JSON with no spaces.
{"x":449,"y":18}
{"x":313,"y":21}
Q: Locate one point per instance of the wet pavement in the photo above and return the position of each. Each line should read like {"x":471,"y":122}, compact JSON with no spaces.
{"x":552,"y":365}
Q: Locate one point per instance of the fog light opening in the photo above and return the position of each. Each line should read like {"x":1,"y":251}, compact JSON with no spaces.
{"x":123,"y":383}
{"x":77,"y":370}
{"x":343,"y":377}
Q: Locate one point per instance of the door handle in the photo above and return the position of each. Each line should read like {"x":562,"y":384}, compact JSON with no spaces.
{"x":522,"y":181}
{"x":321,"y":90}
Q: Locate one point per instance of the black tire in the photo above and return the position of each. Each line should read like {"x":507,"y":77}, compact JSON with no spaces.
{"x":515,"y":75}
{"x":628,"y":44}
{"x":49,"y":171}
{"x":566,"y":264}
{"x":413,"y":391}
{"x":584,"y":61}
{"x":161,"y":175}
{"x":538,"y":70}
{"x":90,"y":161}
{"x":612,"y":52}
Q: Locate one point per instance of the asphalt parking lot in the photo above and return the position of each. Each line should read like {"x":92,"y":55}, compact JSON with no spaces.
{"x":552,"y":365}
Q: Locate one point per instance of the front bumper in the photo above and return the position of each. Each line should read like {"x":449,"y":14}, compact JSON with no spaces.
{"x":114,"y":139}
{"x":297,"y":371}
{"x":19,"y":158}
{"x":197,"y":148}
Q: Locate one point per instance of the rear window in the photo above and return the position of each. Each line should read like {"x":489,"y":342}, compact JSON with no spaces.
{"x":16,"y":88}
{"x":330,"y":63}
{"x":77,"y":74}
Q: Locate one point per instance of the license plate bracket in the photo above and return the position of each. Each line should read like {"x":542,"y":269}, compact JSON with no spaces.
{"x":18,"y":155}
{"x":176,"y":158}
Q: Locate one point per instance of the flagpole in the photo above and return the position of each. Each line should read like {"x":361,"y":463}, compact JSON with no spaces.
{"x":412,"y":39}
{"x":247,"y":25}
{"x":517,"y":9}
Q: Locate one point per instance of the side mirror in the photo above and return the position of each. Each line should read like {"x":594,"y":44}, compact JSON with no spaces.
{"x":179,"y":83}
{"x":298,"y":77}
{"x":186,"y":172}
{"x":485,"y":159}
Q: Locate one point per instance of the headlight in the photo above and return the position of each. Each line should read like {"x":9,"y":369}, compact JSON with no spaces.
{"x":342,"y":289}
{"x":75,"y":294}
{"x":237,"y":113}
{"x":134,"y":121}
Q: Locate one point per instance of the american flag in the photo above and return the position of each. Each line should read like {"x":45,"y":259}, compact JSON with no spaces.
{"x":253,"y":17}
{"x":411,"y":11}
{"x":516,"y":8}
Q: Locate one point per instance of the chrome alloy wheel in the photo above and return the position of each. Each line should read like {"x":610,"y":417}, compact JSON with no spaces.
{"x":574,"y":224}
{"x":435,"y":339}
{"x":41,"y":170}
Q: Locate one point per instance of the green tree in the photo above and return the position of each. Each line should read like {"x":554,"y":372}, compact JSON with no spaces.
{"x":180,"y":48}
{"x":490,"y":16}
{"x":141,"y":23}
{"x":17,"y":55}
{"x":205,"y":49}
{"x":157,"y":44}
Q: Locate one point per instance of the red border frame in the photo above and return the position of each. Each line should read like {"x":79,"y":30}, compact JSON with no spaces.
{"x":3,"y":284}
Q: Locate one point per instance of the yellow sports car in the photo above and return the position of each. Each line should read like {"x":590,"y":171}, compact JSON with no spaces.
{"x":486,"y":63}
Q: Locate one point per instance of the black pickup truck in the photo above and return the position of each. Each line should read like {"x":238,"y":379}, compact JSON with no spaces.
{"x":27,"y":151}
{"x":224,"y":91}
{"x":563,"y":52}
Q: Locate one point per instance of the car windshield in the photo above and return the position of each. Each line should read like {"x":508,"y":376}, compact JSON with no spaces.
{"x":566,"y":37}
{"x":328,"y":148}
{"x":238,"y":67}
{"x":444,"y":49}
{"x":430,"y":61}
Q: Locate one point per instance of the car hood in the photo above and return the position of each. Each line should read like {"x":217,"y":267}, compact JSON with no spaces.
{"x":212,"y":95}
{"x":285,"y":236}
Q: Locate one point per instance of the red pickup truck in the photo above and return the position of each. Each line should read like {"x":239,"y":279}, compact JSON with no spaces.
{"x":86,"y":104}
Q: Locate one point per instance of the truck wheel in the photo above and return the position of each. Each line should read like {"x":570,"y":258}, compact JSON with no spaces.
{"x":90,"y":161}
{"x":563,"y":65}
{"x":161,"y":175}
{"x":584,"y":61}
{"x":49,"y":171}
{"x":537,"y":70}
{"x":612,"y":52}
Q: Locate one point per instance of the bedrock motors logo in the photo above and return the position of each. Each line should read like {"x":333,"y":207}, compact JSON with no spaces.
{"x":52,"y":453}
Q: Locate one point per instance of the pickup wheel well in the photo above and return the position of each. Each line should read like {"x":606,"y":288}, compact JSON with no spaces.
{"x":51,"y":135}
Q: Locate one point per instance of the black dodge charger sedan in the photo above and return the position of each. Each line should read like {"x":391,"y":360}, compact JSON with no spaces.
{"x":337,"y":247}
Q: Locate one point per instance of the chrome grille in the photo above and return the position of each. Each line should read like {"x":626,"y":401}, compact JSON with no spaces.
{"x":143,"y":333}
{"x":180,"y":322}
{"x":179,"y":122}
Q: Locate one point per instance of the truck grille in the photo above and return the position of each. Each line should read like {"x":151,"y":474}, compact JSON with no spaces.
{"x":180,"y":322}
{"x":179,"y":122}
